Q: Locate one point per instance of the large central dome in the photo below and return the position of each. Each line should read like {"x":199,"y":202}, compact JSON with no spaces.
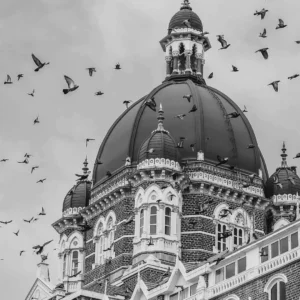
{"x":207,"y":128}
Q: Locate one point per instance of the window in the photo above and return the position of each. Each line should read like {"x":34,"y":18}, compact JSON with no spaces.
{"x":230,"y":270}
{"x":221,"y":242}
{"x":294,"y":240}
{"x":241,"y":265}
{"x":237,"y":237}
{"x":153,"y":217}
{"x":64,"y":265}
{"x":264,"y":254}
{"x":219,"y":275}
{"x":284,"y":245}
{"x":184,"y":294}
{"x":74,"y":262}
{"x":174,"y":297}
{"x":168,"y":221}
{"x":278,"y":291}
{"x":141,"y":222}
{"x":193,"y":289}
{"x":101,"y":248}
{"x":274,"y":249}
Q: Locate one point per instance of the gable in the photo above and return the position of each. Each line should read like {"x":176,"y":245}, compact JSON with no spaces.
{"x":40,"y":290}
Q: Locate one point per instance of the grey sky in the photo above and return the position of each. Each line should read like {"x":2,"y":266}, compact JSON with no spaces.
{"x":73,"y":35}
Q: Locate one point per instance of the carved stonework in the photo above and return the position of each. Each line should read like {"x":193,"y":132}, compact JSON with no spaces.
{"x":168,"y":58}
{"x":175,"y":53}
{"x":239,"y":219}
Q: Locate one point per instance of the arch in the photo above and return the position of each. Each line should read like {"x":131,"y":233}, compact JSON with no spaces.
{"x":273,"y":280}
{"x":280,"y":223}
{"x":140,"y":193}
{"x":99,"y":221}
{"x":168,"y":192}
{"x":218,"y":210}
{"x":150,"y":191}
{"x":62,"y":243}
{"x":75,"y":236}
{"x":112,"y":215}
{"x":242,"y":212}
{"x":232,"y":297}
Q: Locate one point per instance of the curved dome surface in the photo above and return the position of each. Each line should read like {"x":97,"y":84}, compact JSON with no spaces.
{"x":185,"y":14}
{"x":78,"y":196}
{"x":207,"y":128}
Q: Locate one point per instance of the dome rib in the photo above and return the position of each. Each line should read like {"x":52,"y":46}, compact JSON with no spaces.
{"x":184,"y":14}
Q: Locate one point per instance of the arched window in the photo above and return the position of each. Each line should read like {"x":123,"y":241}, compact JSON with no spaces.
{"x":110,"y":238}
{"x":153,"y":220}
{"x":101,"y":250}
{"x":238,"y":235}
{"x":221,"y":243}
{"x":141,"y":222}
{"x":278,"y":291}
{"x":64,"y":265}
{"x":74,"y":262}
{"x":168,"y":221}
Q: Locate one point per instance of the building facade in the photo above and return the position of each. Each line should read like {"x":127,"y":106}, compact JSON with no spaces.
{"x":180,"y":204}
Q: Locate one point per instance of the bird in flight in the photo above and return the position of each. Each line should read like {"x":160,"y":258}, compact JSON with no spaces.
{"x":294,"y":76}
{"x":281,"y":24}
{"x":6,"y":222}
{"x":297,"y":155}
{"x":211,"y":75}
{"x":181,"y":116}
{"x":233,"y":115}
{"x":188,"y":97}
{"x":27,"y":155}
{"x":91,"y":70}
{"x":297,"y":42}
{"x":41,"y":180}
{"x":118,"y":66}
{"x":44,"y":257}
{"x":151,"y":103}
{"x":38,"y":62}
{"x":83,"y":177}
{"x":42,"y":213}
{"x":222,"y":160}
{"x":276,"y":181}
{"x":71,"y":85}
{"x":187,"y":23}
{"x":21,"y":252}
{"x":99,"y":93}
{"x":192,"y":146}
{"x":234,"y":69}
{"x":264,"y":34}
{"x":275,"y":85}
{"x":8,"y":80}
{"x":74,"y":275}
{"x":245,"y":109}
{"x":31,"y":94}
{"x":20,"y":76}
{"x":194,"y":108}
{"x":151,"y":150}
{"x":88,"y":140}
{"x":261,"y":13}
{"x":25,"y":161}
{"x":41,"y":248}
{"x":126,"y":102}
{"x":223,"y":42}
{"x":109,"y":248}
{"x":180,"y":143}
{"x":28,"y":221}
{"x":251,"y":146}
{"x":3,"y":159}
{"x":16,"y":233}
{"x":33,"y":168}
{"x":264,"y":52}
{"x":36,"y":120}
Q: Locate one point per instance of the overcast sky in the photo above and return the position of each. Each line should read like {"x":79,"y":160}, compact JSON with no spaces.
{"x":73,"y":35}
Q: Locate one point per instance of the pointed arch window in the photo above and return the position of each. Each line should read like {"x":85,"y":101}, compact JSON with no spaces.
{"x":101,"y":250}
{"x":141,"y":222}
{"x":168,"y":221}
{"x":110,"y":238}
{"x":74,"y":262}
{"x":64,"y":265}
{"x":153,"y":220}
{"x":221,"y":243}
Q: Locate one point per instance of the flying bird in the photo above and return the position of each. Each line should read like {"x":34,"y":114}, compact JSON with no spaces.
{"x":41,"y":180}
{"x":251,"y":146}
{"x":38,"y":62}
{"x":28,"y":221}
{"x":202,"y":208}
{"x":91,"y":70}
{"x":151,"y":150}
{"x":275,"y":85}
{"x":194,"y":108}
{"x":6,"y":222}
{"x":233,"y":115}
{"x":41,"y":248}
{"x":8,"y":80}
{"x":27,"y":155}
{"x":31,"y":94}
{"x":99,"y":93}
{"x":211,"y":75}
{"x":181,"y":116}
{"x":264,"y":52}
{"x":36,"y":120}
{"x":291,"y":179}
{"x":16,"y":233}
{"x":25,"y":161}
{"x":42,"y":213}
{"x":297,"y":155}
{"x":33,"y":168}
{"x":234,"y":69}
{"x":245,"y":109}
{"x":222,"y":160}
{"x":3,"y":159}
{"x":192,"y":222}
{"x":261,"y":13}
{"x":129,"y":220}
{"x":83,"y":177}
{"x":180,"y":286}
{"x":118,"y":66}
{"x":21,"y":252}
{"x":20,"y":76}
{"x":188,"y":97}
{"x":88,"y":140}
{"x":126,"y":102}
{"x":180,"y":143}
{"x":297,"y":42}
{"x":71,"y":85}
{"x":187,"y":23}
{"x":192,"y":146}
{"x":294,"y":76}
{"x":281,"y":24}
{"x":108,"y":174}
{"x":264,"y":34}
{"x":223,"y":42}
{"x":151,"y":103}
{"x":44,"y":257}
{"x":109,"y":248}
{"x":74,"y":275}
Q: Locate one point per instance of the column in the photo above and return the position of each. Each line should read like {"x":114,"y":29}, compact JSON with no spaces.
{"x":175,"y":55}
{"x":175,"y":220}
{"x":202,"y":64}
{"x":199,"y":65}
{"x":161,"y":219}
{"x":188,"y":69}
{"x":137,"y":223}
{"x":168,"y":63}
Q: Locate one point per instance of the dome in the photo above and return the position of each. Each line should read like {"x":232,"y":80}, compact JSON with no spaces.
{"x":207,"y":128}
{"x":161,"y":143}
{"x":285,"y":185}
{"x":186,"y":13}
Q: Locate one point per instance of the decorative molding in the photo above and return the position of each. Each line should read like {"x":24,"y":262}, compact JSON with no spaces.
{"x":159,"y":163}
{"x":284,"y":198}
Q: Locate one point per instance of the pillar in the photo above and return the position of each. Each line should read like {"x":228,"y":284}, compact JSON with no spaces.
{"x":161,"y":219}
{"x":137,"y":223}
{"x":188,"y":69}
{"x":168,"y":65}
{"x":175,"y":55}
{"x":202,"y":64}
{"x":199,"y":65}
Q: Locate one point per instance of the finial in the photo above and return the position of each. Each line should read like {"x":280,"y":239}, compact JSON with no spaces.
{"x":160,"y":118}
{"x":283,"y":155}
{"x":85,"y":168}
{"x":185,"y":5}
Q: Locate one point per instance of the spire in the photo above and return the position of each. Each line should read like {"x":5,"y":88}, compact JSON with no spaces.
{"x":283,"y":155}
{"x":85,"y":168}
{"x":185,"y":5}
{"x":160,"y":119}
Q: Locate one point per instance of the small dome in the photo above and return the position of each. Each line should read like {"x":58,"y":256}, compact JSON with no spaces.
{"x":288,"y":180}
{"x":160,"y":144}
{"x":186,"y":13}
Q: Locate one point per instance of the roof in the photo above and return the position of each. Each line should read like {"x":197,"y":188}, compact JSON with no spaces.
{"x":207,"y":128}
{"x":185,"y":14}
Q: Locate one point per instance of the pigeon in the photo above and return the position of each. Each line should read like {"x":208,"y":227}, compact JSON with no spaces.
{"x":187,"y":23}
{"x":180,"y":143}
{"x":180,"y":286}
{"x":224,"y":44}
{"x":28,"y":221}
{"x":264,"y":34}
{"x":3,"y":159}
{"x":297,"y":42}
{"x":27,"y":155}
{"x":20,"y":76}
{"x":108,"y":174}
{"x":225,"y":234}
{"x":35,"y":219}
{"x":245,"y":109}
{"x":263,"y":253}
{"x":8,"y":80}
{"x":38,"y":62}
{"x":151,"y":103}
{"x":118,"y":66}
{"x":275,"y":85}
{"x":297,"y":155}
{"x":41,"y":248}
{"x":222,"y":160}
{"x":83,"y":177}
{"x":233,"y":115}
{"x":291,"y":179}
{"x":188,"y":97}
{"x":71,"y":85}
{"x":88,"y":140}
{"x":151,"y":150}
{"x":281,"y":24}
{"x":33,"y":168}
{"x":74,"y":275}
{"x":36,"y":120}
{"x":31,"y":94}
{"x":99,"y":93}
{"x":194,"y":108}
{"x":294,"y":76}
{"x":25,"y":161}
{"x":251,"y":146}
{"x":150,"y":242}
{"x":44,"y":257}
{"x":16,"y":233}
{"x":126,"y":102}
{"x":98,"y":162}
{"x":129,"y":220}
{"x":264,"y":52}
{"x":109,"y":248}
{"x":21,"y":252}
{"x":234,"y":69}
{"x":6,"y":222}
{"x":262,"y":13}
{"x":181,"y":116}
{"x":192,"y":146}
{"x":42,"y":213}
{"x":41,"y":180}
{"x":91,"y":70}
{"x":211,"y":75}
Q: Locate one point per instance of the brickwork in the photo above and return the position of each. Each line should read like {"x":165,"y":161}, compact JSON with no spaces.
{"x":88,"y":263}
{"x":125,"y":245}
{"x":131,"y":282}
{"x":201,"y":224}
{"x":191,"y":256}
{"x":90,"y":248}
{"x":197,"y":241}
{"x":151,"y":275}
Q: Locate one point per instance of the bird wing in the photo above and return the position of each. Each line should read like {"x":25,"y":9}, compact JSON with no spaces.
{"x":36,"y":247}
{"x":219,"y":158}
{"x":265,"y":31}
{"x":69,"y":81}
{"x":78,"y":175}
{"x":47,"y":243}
{"x":281,"y":22}
{"x":36,"y":60}
{"x":8,"y":78}
{"x":265,"y":54}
